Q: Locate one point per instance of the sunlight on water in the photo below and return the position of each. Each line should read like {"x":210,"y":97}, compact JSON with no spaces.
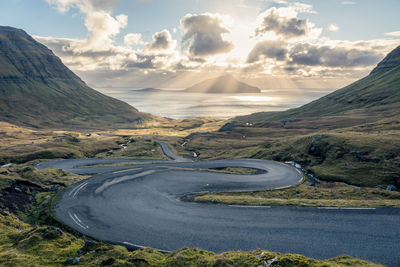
{"x":176,"y":104}
{"x":255,"y":98}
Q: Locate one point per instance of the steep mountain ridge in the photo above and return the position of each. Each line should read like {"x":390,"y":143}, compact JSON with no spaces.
{"x":22,"y":56}
{"x":376,"y":95}
{"x":38,"y":90}
{"x":391,"y":61}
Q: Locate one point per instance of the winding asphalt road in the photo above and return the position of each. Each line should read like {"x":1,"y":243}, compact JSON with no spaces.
{"x":143,"y":206}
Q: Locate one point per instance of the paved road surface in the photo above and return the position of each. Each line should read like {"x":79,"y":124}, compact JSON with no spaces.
{"x":144,"y":207}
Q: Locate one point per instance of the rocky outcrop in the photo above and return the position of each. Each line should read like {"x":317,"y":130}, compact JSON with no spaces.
{"x":19,"y":196}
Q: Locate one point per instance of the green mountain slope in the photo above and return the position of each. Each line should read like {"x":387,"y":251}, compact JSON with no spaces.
{"x":38,"y":90}
{"x":377,"y":95}
{"x":225,"y":84}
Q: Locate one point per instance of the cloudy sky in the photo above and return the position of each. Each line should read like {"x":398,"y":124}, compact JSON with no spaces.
{"x":174,"y":43}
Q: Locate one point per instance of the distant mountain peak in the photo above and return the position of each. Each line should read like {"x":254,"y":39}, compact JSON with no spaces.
{"x":224,"y":84}
{"x":392,"y":60}
{"x":12,"y":29}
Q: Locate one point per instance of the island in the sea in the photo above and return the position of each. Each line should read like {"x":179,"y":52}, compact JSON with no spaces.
{"x":148,"y":90}
{"x":225,"y":84}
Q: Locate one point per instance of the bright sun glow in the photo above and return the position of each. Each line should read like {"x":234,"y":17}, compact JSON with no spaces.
{"x":251,"y":98}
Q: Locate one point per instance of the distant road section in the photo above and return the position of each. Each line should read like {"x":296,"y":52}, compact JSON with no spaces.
{"x":144,"y":206}
{"x":168,"y":152}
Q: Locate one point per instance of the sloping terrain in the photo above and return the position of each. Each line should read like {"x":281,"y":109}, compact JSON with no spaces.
{"x":351,"y":135}
{"x":38,"y":90}
{"x":376,"y":96}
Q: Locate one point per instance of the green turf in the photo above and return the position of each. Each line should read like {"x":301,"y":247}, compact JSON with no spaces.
{"x":38,"y":90}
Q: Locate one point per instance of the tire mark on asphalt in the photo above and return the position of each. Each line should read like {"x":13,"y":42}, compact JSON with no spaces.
{"x":121,"y":179}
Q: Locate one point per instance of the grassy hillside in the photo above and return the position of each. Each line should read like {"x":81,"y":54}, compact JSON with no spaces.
{"x":375,"y":96}
{"x":350,"y":135}
{"x":38,"y":90}
{"x":357,"y":155}
{"x":31,"y":236}
{"x":22,"y":244}
{"x":306,"y":194}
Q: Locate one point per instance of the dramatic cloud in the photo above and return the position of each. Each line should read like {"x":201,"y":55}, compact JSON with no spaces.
{"x":287,"y":43}
{"x":102,"y":27}
{"x":268,"y":49}
{"x":84,"y":5}
{"x":348,"y":3}
{"x":142,"y":62}
{"x":284,"y":45}
{"x":162,"y":41}
{"x":133,"y":39}
{"x":393,"y":34}
{"x":112,"y":58}
{"x":284,"y":22}
{"x":309,"y":55}
{"x":333,"y":28}
{"x":203,"y":35}
{"x":98,"y":20}
{"x":98,"y":51}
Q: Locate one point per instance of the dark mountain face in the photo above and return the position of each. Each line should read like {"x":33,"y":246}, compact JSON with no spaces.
{"x":225,"y":84}
{"x":391,"y":61}
{"x":375,"y":96}
{"x":22,"y":56}
{"x":38,"y":90}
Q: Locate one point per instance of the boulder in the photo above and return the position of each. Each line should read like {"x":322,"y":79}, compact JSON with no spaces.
{"x":72,"y":261}
{"x":391,"y":188}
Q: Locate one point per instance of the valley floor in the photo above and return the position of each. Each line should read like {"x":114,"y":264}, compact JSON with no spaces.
{"x":365,"y":157}
{"x":22,"y":244}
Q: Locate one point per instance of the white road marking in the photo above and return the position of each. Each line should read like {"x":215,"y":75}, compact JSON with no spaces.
{"x":357,"y":208}
{"x":131,"y":244}
{"x":346,"y":208}
{"x":80,"y":188}
{"x":77,"y":188}
{"x":288,"y":186}
{"x":254,"y":207}
{"x":302,"y":175}
{"x":76,"y":217}
{"x":284,"y":187}
{"x":77,"y":221}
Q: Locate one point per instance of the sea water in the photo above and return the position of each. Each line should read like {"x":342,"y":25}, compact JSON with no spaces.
{"x":177,"y":104}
